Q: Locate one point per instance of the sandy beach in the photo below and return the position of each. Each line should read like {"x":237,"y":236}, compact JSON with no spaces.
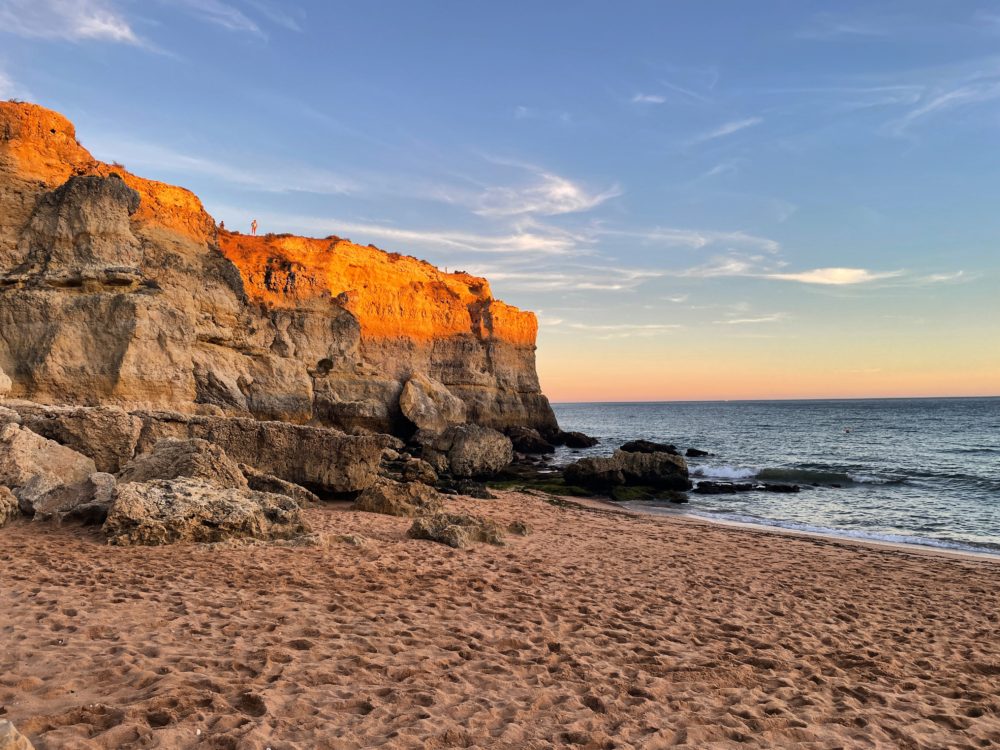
{"x":598,"y":630}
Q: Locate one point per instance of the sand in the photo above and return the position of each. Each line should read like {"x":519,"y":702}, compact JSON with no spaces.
{"x":598,"y":630}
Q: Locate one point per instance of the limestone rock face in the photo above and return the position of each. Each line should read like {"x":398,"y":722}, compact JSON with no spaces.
{"x":120,"y":291}
{"x":5,"y":384}
{"x":33,"y":466}
{"x":189,"y":510}
{"x":196,"y":459}
{"x":399,"y":499}
{"x":430,"y":405}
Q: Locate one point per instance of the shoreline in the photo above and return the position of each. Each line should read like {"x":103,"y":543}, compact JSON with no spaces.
{"x":686,"y":517}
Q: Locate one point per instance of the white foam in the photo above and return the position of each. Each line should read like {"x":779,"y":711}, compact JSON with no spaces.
{"x":723,"y":472}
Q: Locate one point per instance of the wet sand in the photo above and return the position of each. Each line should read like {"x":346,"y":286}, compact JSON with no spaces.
{"x":599,"y":630}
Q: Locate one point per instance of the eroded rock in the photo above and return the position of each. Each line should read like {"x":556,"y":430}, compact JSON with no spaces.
{"x":33,"y":466}
{"x":399,"y":499}
{"x":430,"y":405}
{"x":262,"y":482}
{"x":87,"y":502}
{"x":660,"y":470}
{"x":9,"y":509}
{"x":527,"y":440}
{"x":648,"y":446}
{"x":193,"y":458}
{"x":468,"y":450}
{"x":190,"y":510}
{"x":11,"y":739}
{"x":457,"y":530}
{"x":107,"y":434}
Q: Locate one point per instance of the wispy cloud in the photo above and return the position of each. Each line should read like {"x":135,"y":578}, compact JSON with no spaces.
{"x":693,"y":238}
{"x":625,"y":330}
{"x":72,"y":20}
{"x":9,"y":88}
{"x":834,"y":276}
{"x":591,"y":279}
{"x":969,"y":94}
{"x":548,"y":195}
{"x":772,"y":318}
{"x":218,"y":13}
{"x":727,"y":129}
{"x":649,"y":99}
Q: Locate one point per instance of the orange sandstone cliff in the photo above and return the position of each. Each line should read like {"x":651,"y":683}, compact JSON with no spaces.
{"x":119,"y":290}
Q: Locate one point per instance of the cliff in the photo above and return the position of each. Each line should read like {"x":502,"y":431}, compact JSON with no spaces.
{"x":117,"y":290}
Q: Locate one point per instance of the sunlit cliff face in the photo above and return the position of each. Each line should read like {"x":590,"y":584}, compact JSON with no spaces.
{"x":391,"y":295}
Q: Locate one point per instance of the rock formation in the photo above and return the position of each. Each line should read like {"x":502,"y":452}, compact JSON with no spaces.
{"x":116,"y":291}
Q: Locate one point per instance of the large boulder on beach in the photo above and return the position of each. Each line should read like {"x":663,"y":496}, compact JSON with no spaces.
{"x":191,"y":510}
{"x":194,"y":458}
{"x":264,"y":482}
{"x":467,"y":450}
{"x":33,"y":466}
{"x":107,"y":434}
{"x":661,"y":470}
{"x":429,"y":404}
{"x":87,"y":502}
{"x":393,"y":498}
{"x":457,"y":530}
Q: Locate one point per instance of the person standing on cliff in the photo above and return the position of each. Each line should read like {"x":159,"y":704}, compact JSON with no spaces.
{"x":253,"y":227}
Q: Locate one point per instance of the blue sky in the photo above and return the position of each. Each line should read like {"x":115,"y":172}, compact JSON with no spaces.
{"x":700,"y":199}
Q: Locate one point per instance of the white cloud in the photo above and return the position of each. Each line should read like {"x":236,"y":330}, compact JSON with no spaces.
{"x":626,"y":330}
{"x":549,"y":195}
{"x":73,"y":20}
{"x":942,"y":101}
{"x":772,"y":318}
{"x":834,"y":276}
{"x":727,"y":129}
{"x":583,"y":278}
{"x":648,"y":99}
{"x":220,"y":14}
{"x":694,"y":238}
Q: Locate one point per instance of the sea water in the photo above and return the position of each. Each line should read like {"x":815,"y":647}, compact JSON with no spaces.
{"x":916,"y":471}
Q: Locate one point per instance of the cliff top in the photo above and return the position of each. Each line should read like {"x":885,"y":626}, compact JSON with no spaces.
{"x":391,"y":295}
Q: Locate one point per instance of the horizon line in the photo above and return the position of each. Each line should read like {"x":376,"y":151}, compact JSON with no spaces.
{"x":759,"y":400}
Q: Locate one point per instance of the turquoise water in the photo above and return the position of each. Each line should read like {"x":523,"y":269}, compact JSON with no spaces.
{"x":919,"y":471}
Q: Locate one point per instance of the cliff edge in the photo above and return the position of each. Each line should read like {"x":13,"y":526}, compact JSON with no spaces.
{"x":120,"y":291}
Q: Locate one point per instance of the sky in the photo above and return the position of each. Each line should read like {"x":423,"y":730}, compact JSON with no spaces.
{"x":700,"y":200}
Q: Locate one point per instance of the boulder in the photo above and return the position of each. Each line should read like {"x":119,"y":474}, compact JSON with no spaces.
{"x":660,"y":470}
{"x":527,"y":440}
{"x":430,"y":405}
{"x":262,"y":482}
{"x":695,"y":453}
{"x":191,"y":510}
{"x":468,"y":450}
{"x":195,"y":459}
{"x":648,"y":446}
{"x":399,"y":499}
{"x":9,"y":509}
{"x":456,"y":530}
{"x":5,"y":384}
{"x":11,"y":739}
{"x":9,"y":415}
{"x":324,"y":460}
{"x":575,"y":440}
{"x":88,"y":502}
{"x":780,"y":488}
{"x":418,"y":470}
{"x":107,"y":434}
{"x":33,"y":466}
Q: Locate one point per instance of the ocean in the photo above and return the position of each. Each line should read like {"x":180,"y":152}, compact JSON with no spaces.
{"x":914,"y":471}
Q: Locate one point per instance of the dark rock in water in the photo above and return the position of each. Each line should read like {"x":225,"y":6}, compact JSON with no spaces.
{"x":695,"y":453}
{"x":625,"y":494}
{"x":722,"y":488}
{"x":779,"y":487}
{"x":574,"y":440}
{"x":661,"y":470}
{"x":527,"y":440}
{"x":677,"y":498}
{"x":648,"y":446}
